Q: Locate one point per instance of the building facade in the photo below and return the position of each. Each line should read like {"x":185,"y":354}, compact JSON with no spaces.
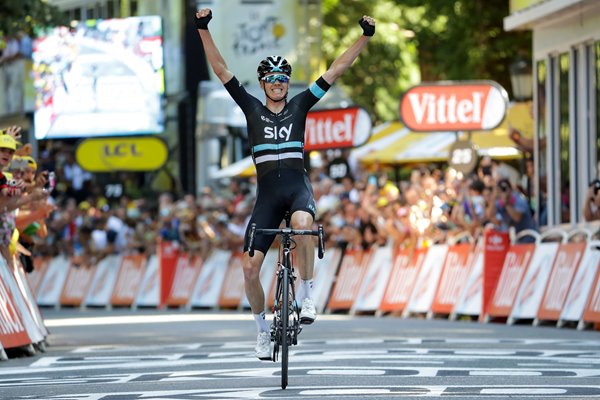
{"x":566,"y":71}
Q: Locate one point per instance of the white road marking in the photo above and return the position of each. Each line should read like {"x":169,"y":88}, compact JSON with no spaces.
{"x":98,"y":366}
{"x":454,"y":391}
{"x":158,"y":319}
{"x":523,"y":391}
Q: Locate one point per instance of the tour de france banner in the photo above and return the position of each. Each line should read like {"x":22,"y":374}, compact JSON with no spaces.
{"x":248,"y":31}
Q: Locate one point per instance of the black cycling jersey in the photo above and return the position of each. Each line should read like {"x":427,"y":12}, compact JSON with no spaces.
{"x":277,"y":140}
{"x":277,"y":145}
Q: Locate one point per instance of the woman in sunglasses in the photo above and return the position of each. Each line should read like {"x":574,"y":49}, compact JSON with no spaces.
{"x":276,"y":136}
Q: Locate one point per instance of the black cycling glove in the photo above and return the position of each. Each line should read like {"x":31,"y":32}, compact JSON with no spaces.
{"x":368,"y":29}
{"x":202,"y":23}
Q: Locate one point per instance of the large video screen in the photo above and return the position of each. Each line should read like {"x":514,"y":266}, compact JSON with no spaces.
{"x":100,"y":78}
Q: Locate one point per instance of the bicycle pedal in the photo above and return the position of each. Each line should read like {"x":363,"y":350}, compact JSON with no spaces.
{"x":306,"y":321}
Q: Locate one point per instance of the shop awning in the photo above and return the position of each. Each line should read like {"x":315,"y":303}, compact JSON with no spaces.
{"x":242,"y":168}
{"x":393,"y":143}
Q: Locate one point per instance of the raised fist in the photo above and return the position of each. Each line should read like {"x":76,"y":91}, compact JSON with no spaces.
{"x":203,"y":17}
{"x":368,"y":25}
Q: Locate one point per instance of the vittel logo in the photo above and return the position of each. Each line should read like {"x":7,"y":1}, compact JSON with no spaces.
{"x":341,"y":128}
{"x":429,"y":108}
{"x":444,"y":106}
{"x":274,"y":132}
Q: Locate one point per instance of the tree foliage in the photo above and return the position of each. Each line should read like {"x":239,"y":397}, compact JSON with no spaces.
{"x":465,"y":39}
{"x":386,"y":67}
{"x":416,"y":40}
{"x":28,"y":15}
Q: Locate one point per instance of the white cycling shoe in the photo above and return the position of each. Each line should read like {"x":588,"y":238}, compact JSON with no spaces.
{"x":308,"y":314}
{"x":263,"y":346}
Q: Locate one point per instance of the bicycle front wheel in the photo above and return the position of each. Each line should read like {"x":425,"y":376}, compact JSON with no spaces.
{"x":285,"y":314}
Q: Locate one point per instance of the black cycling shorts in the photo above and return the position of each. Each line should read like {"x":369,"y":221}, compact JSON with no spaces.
{"x":279,"y":191}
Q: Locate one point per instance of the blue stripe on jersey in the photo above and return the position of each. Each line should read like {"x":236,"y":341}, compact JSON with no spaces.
{"x":316,"y":90}
{"x":276,"y":146}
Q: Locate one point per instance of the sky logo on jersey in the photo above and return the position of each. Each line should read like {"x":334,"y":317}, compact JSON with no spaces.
{"x":273,"y":132}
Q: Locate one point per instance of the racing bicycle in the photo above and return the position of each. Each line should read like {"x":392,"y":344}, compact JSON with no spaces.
{"x":286,"y":311}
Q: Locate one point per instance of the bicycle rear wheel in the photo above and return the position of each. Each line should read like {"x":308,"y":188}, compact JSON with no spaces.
{"x":285,"y":314}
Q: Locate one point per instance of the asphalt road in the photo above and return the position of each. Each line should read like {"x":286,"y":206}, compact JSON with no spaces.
{"x":152,"y":354}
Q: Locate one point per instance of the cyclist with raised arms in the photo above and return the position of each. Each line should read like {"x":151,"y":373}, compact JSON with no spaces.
{"x":276,"y":136}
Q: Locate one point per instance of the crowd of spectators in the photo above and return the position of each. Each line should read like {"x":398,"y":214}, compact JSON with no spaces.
{"x":24,"y":197}
{"x":363,"y":208}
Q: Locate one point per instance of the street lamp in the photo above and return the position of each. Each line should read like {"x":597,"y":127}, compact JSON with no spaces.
{"x":521,"y":79}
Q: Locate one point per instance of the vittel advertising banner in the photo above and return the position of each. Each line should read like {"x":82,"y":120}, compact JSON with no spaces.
{"x":454,"y":106}
{"x":336,"y":129}
{"x":248,"y":31}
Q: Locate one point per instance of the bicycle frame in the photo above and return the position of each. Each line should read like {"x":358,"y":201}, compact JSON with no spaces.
{"x":284,"y":333}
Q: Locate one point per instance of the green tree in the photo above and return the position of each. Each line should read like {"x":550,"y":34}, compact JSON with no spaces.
{"x":420,"y":40}
{"x":465,"y":39}
{"x":29,"y":16}
{"x":388,"y":65}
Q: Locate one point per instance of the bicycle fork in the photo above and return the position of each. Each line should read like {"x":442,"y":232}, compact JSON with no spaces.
{"x":294,"y":328}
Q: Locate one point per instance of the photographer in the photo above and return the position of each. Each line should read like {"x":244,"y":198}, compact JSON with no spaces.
{"x":591,"y":205}
{"x":510,"y":209}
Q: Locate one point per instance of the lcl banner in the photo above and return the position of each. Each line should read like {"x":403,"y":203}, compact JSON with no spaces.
{"x":454,"y":106}
{"x":337,"y":129}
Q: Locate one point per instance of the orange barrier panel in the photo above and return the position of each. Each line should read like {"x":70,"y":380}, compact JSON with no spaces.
{"x":129,"y":278}
{"x":148,"y":294}
{"x":14,"y":283}
{"x":49,"y":290}
{"x":324,"y":275}
{"x":563,"y":270}
{"x":427,"y":281}
{"x":581,"y":287}
{"x":103,"y":283}
{"x":168,"y":253}
{"x":531,"y":290}
{"x":495,"y":247}
{"x":375,"y":280}
{"x":35,"y":277}
{"x":402,"y":279}
{"x":187,"y":271}
{"x":12,"y":327}
{"x":352,"y":270}
{"x":513,"y":270}
{"x":208,"y":285}
{"x":233,"y":284}
{"x":471,"y":298}
{"x":30,"y":306}
{"x":591,"y":313}
{"x":455,"y":274}
{"x":77,"y":284}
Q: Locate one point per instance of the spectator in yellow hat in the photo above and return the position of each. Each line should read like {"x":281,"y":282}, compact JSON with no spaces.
{"x":8,"y":146}
{"x":30,"y":220}
{"x":9,"y":203}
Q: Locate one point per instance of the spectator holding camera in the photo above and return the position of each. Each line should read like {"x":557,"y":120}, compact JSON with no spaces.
{"x":510,"y":209}
{"x":591,"y":206}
